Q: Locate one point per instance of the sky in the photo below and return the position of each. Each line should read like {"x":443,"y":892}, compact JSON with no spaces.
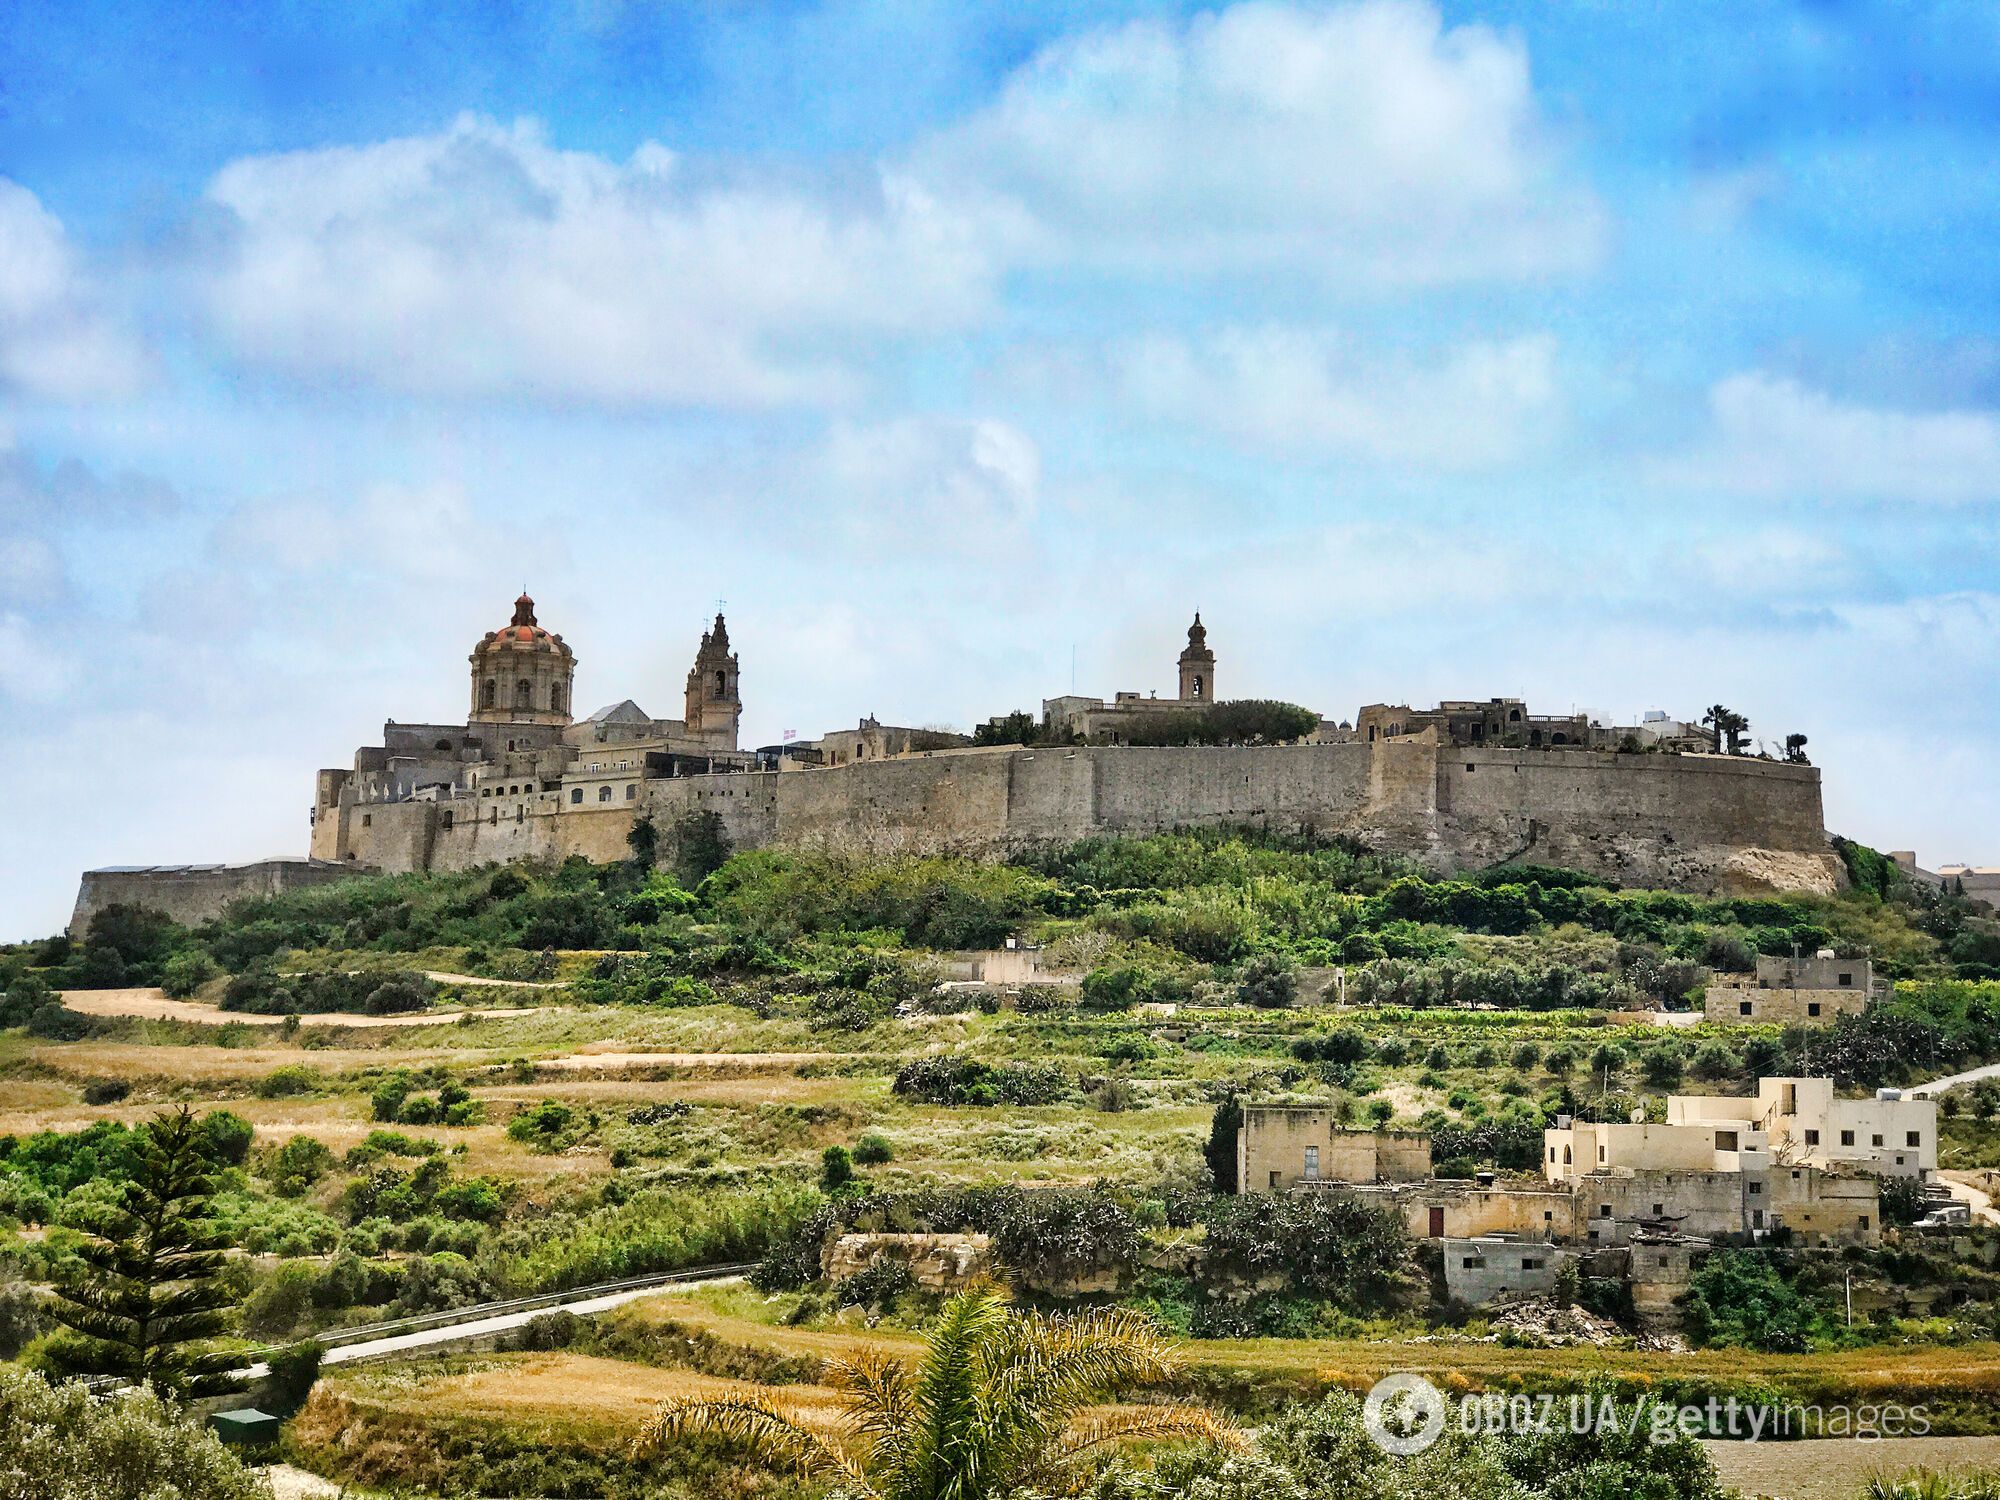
{"x":1617,"y":356}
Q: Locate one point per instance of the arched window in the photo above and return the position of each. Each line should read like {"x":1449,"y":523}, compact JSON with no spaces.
{"x":524,"y":694}
{"x":575,"y":796}
{"x":1559,"y":738}
{"x":1566,"y":1159}
{"x":555,"y":699}
{"x":1197,"y":684}
{"x":489,"y":694}
{"x":604,"y":794}
{"x":1514,"y":716}
{"x":721,"y":684}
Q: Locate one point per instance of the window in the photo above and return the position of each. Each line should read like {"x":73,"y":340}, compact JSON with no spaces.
{"x":1566,"y":1160}
{"x":1846,"y":1137}
{"x":1197,"y":684}
{"x":1604,"y":1210}
{"x":1312,"y":1163}
{"x":1743,"y":1007}
{"x":1552,"y":1153}
{"x":447,"y":817}
{"x":1756,"y":1218}
{"x":487,"y":694}
{"x":1864,"y":1221}
{"x":1600,"y":1153}
{"x":575,"y":795}
{"x":1847,"y":979}
{"x":524,"y":694}
{"x":1530,"y":1264}
{"x":1548,"y":1216}
{"x":1725,"y":1140}
{"x":1812,"y":1007}
{"x":1756,"y":1189}
{"x":631,"y":793}
{"x":1812,"y":1137}
{"x":604,"y":794}
{"x":1875,"y":1140}
{"x":1913,"y":1138}
{"x":1659,"y":1210}
{"x":555,"y":699}
{"x":368,"y":820}
{"x":1473,"y":1262}
{"x":1274,"y":1179}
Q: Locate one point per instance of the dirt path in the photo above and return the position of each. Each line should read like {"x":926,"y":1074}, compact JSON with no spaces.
{"x":153,"y":1005}
{"x":444,"y":976}
{"x":739,"y":1061}
{"x":1839,"y":1468}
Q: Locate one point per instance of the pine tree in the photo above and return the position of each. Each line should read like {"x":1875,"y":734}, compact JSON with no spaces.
{"x":149,"y":1293}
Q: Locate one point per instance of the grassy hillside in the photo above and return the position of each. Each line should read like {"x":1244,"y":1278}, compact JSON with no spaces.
{"x":721,"y":1064}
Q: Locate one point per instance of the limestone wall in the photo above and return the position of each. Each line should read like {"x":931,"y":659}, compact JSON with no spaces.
{"x":1690,"y":822}
{"x":195,"y":893}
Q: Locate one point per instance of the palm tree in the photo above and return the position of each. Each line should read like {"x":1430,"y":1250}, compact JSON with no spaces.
{"x":996,"y":1401}
{"x":1729,"y":727}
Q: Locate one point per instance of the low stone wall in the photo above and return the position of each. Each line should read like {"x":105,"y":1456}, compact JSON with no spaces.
{"x":191,"y":894}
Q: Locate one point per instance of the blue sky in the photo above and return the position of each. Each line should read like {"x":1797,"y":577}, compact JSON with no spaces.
{"x":1619,"y":356}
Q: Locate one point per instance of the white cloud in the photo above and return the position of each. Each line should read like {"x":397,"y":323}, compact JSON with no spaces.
{"x":481,"y":261}
{"x":424,"y":531}
{"x":1480,"y":405}
{"x":55,"y":338}
{"x":1353,"y":141}
{"x":929,"y":481}
{"x":1776,"y":438}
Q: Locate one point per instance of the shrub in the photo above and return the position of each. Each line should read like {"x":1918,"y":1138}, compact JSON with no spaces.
{"x":1334,"y":1246}
{"x":836,"y":1168}
{"x":68,"y":1445}
{"x":873,"y":1149}
{"x":965,"y":1080}
{"x":187,"y":972}
{"x":1267,"y":980}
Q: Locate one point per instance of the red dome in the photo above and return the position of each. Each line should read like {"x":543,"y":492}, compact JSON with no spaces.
{"x":523,"y":631}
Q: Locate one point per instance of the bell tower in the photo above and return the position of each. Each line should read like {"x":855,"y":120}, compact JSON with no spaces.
{"x":714,"y":699}
{"x":1197,"y":666}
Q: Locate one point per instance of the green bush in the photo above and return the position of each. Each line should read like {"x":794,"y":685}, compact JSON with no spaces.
{"x":63,"y":1443}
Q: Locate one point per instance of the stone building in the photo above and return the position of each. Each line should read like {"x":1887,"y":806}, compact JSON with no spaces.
{"x":1098,"y":722}
{"x":519,"y":755}
{"x":1786,"y":990}
{"x":519,"y":777}
{"x":1789,"y":1122}
{"x":521,"y":674}
{"x":1474,"y":723}
{"x":1282,"y":1146}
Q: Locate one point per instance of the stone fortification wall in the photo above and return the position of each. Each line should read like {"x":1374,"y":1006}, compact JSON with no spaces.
{"x":1690,"y":822}
{"x":195,"y":893}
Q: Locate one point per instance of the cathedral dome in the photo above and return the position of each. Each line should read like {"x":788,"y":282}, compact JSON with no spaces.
{"x":521,"y":673}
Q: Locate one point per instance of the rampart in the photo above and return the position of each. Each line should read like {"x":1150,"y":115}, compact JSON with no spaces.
{"x":1692,"y":822}
{"x":195,"y":893}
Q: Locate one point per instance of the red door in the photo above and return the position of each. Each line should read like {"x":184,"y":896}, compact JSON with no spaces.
{"x":1437,"y":1223}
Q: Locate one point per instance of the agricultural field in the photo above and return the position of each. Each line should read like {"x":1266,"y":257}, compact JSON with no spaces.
{"x":421,"y":1093}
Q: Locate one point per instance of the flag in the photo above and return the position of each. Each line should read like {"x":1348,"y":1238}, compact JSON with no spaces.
{"x":791,"y":734}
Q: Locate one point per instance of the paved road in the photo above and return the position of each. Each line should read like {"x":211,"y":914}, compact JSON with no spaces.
{"x":422,"y":1339}
{"x":1939,"y":1085}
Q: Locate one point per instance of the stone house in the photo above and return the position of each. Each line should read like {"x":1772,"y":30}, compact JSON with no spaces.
{"x":1285,"y":1146}
{"x":1787,"y":990}
{"x":1790,"y":1121}
{"x":1478,"y":1270}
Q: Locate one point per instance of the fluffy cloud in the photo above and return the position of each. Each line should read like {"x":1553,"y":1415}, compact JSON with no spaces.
{"x":55,"y":339}
{"x":1776,"y":438}
{"x":482,"y":261}
{"x":1287,"y":390}
{"x":1354,"y":141}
